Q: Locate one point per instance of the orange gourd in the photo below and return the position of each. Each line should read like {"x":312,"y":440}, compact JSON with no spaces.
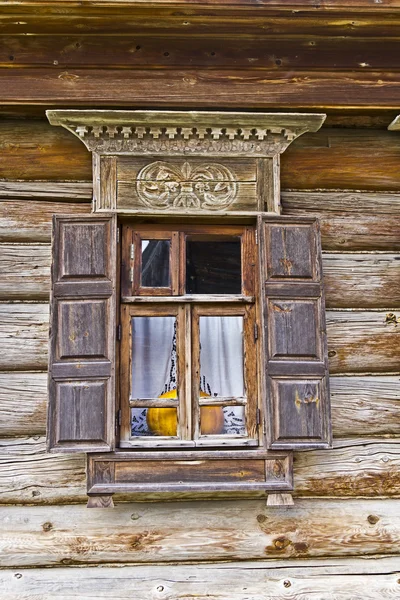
{"x":164,"y":421}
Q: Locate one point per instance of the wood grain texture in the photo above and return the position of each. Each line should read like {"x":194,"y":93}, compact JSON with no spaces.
{"x":278,"y":53}
{"x":49,"y":191}
{"x":23,"y":403}
{"x":359,"y":341}
{"x":221,"y":531}
{"x":350,"y":220}
{"x":273,"y":580}
{"x":362,"y":341}
{"x":15,"y":227}
{"x":201,"y":88}
{"x":361,"y":406}
{"x":367,"y":467}
{"x":364,"y":406}
{"x":33,"y":476}
{"x":24,"y":333}
{"x":359,"y":467}
{"x":361,"y":280}
{"x":24,"y":271}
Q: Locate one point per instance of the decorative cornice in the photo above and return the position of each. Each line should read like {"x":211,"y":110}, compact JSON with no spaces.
{"x":185,"y":132}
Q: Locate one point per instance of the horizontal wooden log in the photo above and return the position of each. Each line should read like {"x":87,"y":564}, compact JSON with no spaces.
{"x":361,"y":280}
{"x":23,"y":403}
{"x":359,"y":341}
{"x":24,"y":271}
{"x":351,"y":280}
{"x":15,"y":227}
{"x":32,"y":475}
{"x":201,"y":88}
{"x":180,"y":51}
{"x":365,"y":467}
{"x":75,"y":191}
{"x":364,"y":406}
{"x":363,"y":341}
{"x":269,"y":580}
{"x":24,"y":334}
{"x":354,"y":467}
{"x":220,"y":531}
{"x":350,"y":220}
{"x":331,"y":159}
{"x":361,"y":406}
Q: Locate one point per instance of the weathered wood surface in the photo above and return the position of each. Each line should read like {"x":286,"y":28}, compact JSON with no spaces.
{"x":16,"y":227}
{"x":351,"y":280}
{"x":220,"y":531}
{"x":330,"y":579}
{"x":362,"y":280}
{"x":180,"y":51}
{"x":358,"y":341}
{"x":24,"y":333}
{"x":364,"y":406}
{"x":331,"y":158}
{"x":201,"y":88}
{"x":350,"y":220}
{"x":24,"y":271}
{"x":361,"y":406}
{"x":354,"y":467}
{"x":75,"y":191}
{"x":23,"y":401}
{"x":363,"y":341}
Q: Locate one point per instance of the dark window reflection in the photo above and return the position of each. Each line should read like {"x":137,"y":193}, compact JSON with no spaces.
{"x":155,"y":263}
{"x":213,"y":267}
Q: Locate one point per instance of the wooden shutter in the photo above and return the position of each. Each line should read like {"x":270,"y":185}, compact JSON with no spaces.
{"x":296,"y":385}
{"x":82,"y":338}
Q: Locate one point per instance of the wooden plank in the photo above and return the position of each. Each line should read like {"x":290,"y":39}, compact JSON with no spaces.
{"x":358,"y":341}
{"x":24,"y":271}
{"x":201,"y":88}
{"x":355,"y":467}
{"x":337,"y":159}
{"x":23,"y":403}
{"x":180,"y":51}
{"x":24,"y":332}
{"x":222,"y":531}
{"x":361,"y":467}
{"x":15,"y":227}
{"x":75,"y":191}
{"x":272,"y":580}
{"x":36,"y":150}
{"x":364,"y":406}
{"x":361,"y":280}
{"x":361,"y":406}
{"x":350,"y":220}
{"x":31,"y":475}
{"x":362,"y":341}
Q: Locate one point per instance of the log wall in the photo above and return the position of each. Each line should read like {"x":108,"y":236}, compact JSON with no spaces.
{"x":342,"y":536}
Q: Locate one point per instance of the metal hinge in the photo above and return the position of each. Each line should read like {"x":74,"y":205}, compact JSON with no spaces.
{"x":117,"y":235}
{"x":255,"y":331}
{"x":258,"y":417}
{"x":256,"y":232}
{"x":118,"y":418}
{"x":132,"y":251}
{"x":132,"y":256}
{"x":118,"y":333}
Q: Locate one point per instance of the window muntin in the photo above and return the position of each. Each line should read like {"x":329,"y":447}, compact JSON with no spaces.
{"x":188,"y":360}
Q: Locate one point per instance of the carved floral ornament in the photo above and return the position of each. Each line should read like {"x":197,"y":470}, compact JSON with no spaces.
{"x":209,"y":186}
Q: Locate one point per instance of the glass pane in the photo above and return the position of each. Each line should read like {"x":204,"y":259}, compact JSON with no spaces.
{"x":154,"y":374}
{"x":213,"y":267}
{"x":154,"y":421}
{"x":221,"y":356}
{"x":217,"y":420}
{"x":155,"y":263}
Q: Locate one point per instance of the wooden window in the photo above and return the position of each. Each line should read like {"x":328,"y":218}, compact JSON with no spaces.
{"x":189,"y":365}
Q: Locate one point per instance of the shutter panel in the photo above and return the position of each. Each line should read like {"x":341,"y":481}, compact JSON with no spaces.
{"x":82,"y":339}
{"x":296,"y":390}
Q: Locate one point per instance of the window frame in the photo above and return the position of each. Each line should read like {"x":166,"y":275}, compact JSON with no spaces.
{"x":187,"y":308}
